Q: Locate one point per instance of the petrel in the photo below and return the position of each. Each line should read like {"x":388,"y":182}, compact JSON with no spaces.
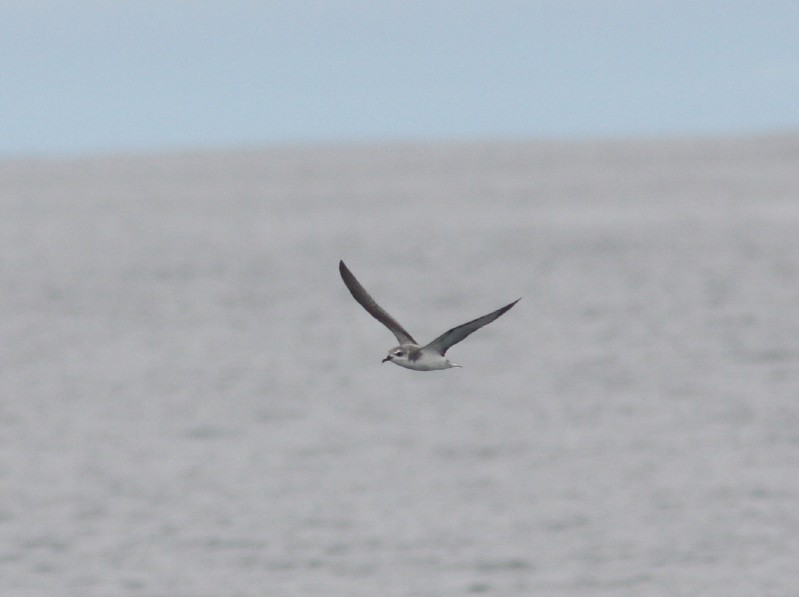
{"x":410,"y":354}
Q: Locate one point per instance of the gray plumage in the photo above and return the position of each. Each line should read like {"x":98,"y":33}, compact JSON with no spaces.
{"x":367,"y":302}
{"x":458,"y":333}
{"x":409,"y":353}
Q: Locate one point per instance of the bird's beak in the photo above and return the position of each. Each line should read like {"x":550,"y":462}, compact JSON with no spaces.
{"x":386,"y":359}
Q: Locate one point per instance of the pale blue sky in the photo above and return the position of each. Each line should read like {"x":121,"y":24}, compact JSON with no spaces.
{"x":95,"y":76}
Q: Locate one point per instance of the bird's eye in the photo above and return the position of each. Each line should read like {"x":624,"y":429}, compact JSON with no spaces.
{"x":398,"y":353}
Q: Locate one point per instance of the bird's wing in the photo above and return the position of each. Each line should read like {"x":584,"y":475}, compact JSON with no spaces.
{"x":375,"y":310}
{"x":456,"y":334}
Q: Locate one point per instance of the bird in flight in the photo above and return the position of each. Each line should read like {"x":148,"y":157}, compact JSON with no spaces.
{"x":410,"y":354}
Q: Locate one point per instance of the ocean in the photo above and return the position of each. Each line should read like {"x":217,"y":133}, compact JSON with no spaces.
{"x":194,"y":406}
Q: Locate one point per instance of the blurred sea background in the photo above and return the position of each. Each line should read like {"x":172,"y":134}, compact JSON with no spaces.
{"x":193,"y":405}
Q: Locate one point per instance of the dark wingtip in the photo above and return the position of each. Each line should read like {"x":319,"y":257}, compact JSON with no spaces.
{"x":507,"y":307}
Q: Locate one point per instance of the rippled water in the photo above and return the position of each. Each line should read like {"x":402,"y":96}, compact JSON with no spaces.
{"x":193,"y":405}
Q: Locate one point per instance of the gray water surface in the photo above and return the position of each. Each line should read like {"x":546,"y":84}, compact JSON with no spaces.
{"x":193,"y":405}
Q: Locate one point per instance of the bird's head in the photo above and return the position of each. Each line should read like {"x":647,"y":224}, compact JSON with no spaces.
{"x":397,"y":355}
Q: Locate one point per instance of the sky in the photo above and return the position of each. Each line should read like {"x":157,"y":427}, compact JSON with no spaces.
{"x":99,"y":76}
